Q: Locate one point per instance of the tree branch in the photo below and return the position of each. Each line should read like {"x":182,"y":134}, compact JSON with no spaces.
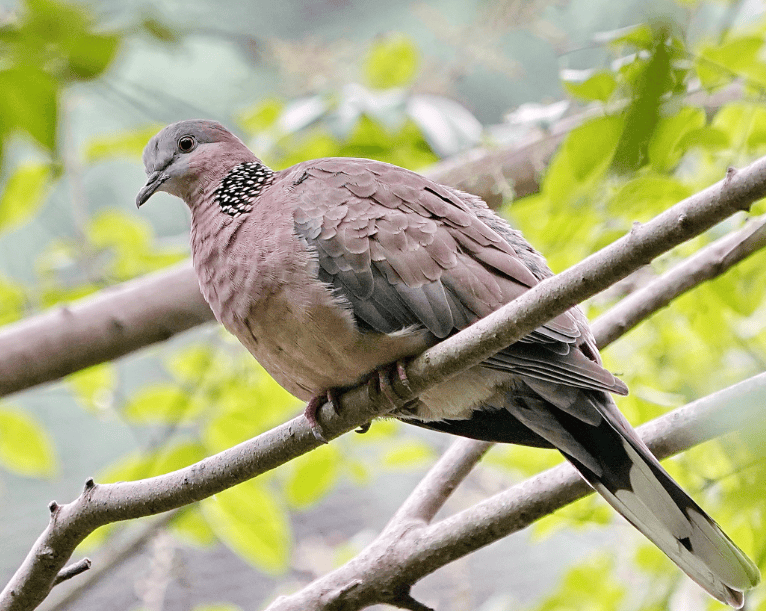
{"x":110,"y":324}
{"x":707,"y":263}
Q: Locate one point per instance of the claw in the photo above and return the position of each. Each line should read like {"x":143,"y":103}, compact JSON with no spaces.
{"x":364,"y":428}
{"x":310,"y":413}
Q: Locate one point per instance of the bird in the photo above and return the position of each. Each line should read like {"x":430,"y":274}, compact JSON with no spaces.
{"x":334,"y":269}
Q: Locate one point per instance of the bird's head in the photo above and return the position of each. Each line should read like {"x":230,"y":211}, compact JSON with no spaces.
{"x":185,"y":156}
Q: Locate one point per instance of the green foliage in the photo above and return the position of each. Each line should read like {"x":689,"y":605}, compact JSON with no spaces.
{"x":159,"y":403}
{"x":94,"y":386}
{"x":312,"y":476}
{"x":249,"y":519}
{"x":12,"y":300}
{"x":23,"y":194}
{"x":25,"y":447}
{"x":599,"y":86}
{"x":391,"y":62}
{"x":577,"y":591}
{"x":53,"y":44}
{"x":128,"y":143}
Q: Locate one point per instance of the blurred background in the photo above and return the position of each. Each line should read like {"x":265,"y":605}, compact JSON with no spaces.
{"x":616,"y":109}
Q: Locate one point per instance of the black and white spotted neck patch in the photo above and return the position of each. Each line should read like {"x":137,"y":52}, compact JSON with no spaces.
{"x":241,"y":186}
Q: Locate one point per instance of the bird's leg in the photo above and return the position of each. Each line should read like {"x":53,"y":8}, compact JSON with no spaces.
{"x":379,"y":382}
{"x":310,"y":413}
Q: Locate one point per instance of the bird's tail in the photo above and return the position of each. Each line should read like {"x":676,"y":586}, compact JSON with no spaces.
{"x":613,"y":459}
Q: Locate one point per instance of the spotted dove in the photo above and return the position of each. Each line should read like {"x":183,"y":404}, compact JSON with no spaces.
{"x":334,"y":268}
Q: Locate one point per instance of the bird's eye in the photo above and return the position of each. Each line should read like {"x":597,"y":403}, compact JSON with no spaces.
{"x":186,"y":144}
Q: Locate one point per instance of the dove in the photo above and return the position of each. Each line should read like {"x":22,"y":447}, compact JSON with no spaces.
{"x":334,"y":269}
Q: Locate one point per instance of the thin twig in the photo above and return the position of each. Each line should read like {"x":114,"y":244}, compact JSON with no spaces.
{"x":709,"y":262}
{"x":72,"y":571}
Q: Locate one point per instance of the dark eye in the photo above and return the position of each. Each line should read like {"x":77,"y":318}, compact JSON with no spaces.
{"x":186,"y":144}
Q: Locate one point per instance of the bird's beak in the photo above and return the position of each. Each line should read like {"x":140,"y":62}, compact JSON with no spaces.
{"x":153,"y":183}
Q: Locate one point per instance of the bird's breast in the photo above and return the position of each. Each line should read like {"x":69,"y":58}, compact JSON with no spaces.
{"x":268,"y":294}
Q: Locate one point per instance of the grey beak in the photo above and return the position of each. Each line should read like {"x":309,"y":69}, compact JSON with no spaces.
{"x":152,"y":184}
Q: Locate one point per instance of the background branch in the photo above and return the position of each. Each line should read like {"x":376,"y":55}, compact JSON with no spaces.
{"x":99,"y":505}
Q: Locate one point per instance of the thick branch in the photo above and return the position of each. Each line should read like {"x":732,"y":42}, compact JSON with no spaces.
{"x":99,"y":505}
{"x":101,"y":328}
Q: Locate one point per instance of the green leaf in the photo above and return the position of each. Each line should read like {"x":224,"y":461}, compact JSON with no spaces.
{"x":129,"y":143}
{"x":312,"y":476}
{"x":12,"y":301}
{"x":652,"y":81}
{"x":29,"y":101}
{"x":599,"y":86}
{"x":408,"y":455}
{"x":640,"y":36}
{"x":25,"y":447}
{"x":582,"y":159}
{"x":666,"y":144}
{"x":647,"y":195}
{"x":160,"y":404}
{"x":23,"y":195}
{"x":718,"y":65}
{"x":177,"y":457}
{"x":391,"y":62}
{"x":88,"y":56}
{"x":192,"y":527}
{"x":94,"y":385}
{"x":263,"y":116}
{"x":248,"y":519}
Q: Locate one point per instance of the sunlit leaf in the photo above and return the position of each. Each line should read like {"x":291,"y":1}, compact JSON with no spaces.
{"x":579,"y":163}
{"x":94,"y":385}
{"x":408,"y":455}
{"x":23,"y":195}
{"x":160,"y":403}
{"x":29,"y":102}
{"x":262,"y":116}
{"x":25,"y":447}
{"x":391,"y":62}
{"x":718,"y":64}
{"x":249,"y":520}
{"x":666,"y":144}
{"x":598,"y":86}
{"x":192,"y":527}
{"x":129,"y":143}
{"x":12,"y":300}
{"x":312,"y":476}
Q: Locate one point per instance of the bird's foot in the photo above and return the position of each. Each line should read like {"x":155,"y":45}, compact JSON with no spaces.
{"x":310,"y":413}
{"x":381,"y":379}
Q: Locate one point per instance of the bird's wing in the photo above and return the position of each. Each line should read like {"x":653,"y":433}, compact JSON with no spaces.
{"x":405,"y":251}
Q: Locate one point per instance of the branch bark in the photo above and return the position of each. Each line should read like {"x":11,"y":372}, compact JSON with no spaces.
{"x":102,"y":504}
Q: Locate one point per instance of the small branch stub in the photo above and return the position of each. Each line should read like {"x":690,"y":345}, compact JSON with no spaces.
{"x":72,"y":571}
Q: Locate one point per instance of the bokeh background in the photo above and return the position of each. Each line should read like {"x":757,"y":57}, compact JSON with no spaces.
{"x":624,"y":108}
